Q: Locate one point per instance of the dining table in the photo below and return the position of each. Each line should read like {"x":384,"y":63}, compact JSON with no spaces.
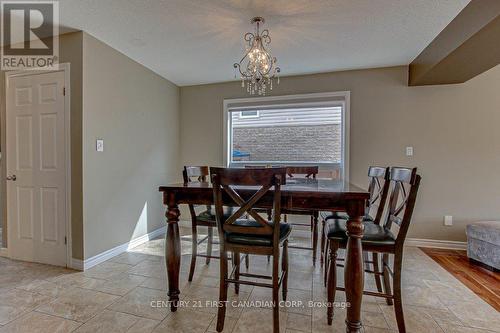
{"x":298,"y":193}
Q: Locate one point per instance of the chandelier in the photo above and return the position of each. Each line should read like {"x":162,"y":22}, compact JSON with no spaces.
{"x":257,"y":69}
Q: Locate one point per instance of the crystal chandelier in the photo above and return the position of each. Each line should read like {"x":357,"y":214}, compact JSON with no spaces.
{"x":257,"y":68}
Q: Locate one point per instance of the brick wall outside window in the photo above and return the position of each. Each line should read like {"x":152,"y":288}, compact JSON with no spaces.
{"x":289,"y":143}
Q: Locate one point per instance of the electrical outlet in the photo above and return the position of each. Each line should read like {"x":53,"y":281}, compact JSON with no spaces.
{"x":409,"y":151}
{"x":448,"y":220}
{"x":99,"y":145}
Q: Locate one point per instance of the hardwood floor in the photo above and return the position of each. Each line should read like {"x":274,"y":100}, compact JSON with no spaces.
{"x":483,"y":282}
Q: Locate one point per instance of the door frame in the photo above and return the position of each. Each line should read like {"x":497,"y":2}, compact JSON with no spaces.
{"x":65,"y":68}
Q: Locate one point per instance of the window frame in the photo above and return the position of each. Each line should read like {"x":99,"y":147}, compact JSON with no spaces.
{"x":341,"y":98}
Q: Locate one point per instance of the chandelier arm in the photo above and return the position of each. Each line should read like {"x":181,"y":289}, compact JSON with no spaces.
{"x":236,"y":65}
{"x":244,"y":74}
{"x":248,"y":37}
{"x":265,"y":36}
{"x":243,"y":58}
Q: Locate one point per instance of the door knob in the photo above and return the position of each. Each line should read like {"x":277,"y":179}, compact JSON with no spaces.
{"x":13,"y":178}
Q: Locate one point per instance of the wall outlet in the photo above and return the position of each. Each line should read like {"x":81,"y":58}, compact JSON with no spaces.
{"x":448,"y":220}
{"x":409,"y":151}
{"x":99,"y":145}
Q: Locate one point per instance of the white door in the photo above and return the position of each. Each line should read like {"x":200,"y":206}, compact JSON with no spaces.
{"x":36,"y":168}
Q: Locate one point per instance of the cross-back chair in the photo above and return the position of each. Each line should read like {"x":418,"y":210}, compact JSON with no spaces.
{"x":380,"y":238}
{"x":253,"y":235}
{"x":206,"y":218}
{"x":309,"y":172}
{"x":378,"y":188}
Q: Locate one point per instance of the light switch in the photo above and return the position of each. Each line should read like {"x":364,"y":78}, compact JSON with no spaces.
{"x":409,"y":151}
{"x":99,"y":145}
{"x":448,"y":220}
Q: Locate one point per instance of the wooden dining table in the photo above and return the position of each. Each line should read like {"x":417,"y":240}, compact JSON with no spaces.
{"x":310,"y":194}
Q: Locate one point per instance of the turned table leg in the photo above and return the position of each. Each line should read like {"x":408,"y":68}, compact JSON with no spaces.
{"x":173,"y":252}
{"x":315,"y":236}
{"x":354,"y":270}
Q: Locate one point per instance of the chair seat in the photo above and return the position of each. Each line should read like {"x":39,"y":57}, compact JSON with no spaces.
{"x":374,"y":234}
{"x":209,"y":215}
{"x":344,"y":216}
{"x":257,"y":240}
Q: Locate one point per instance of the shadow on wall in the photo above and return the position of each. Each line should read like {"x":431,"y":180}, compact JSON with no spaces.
{"x":153,"y":246}
{"x":141,"y":227}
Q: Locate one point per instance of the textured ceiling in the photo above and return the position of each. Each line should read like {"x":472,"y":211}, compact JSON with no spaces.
{"x":197,"y":41}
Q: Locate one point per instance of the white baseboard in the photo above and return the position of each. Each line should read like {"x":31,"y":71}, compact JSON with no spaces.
{"x":435,"y":243}
{"x":76,"y":264}
{"x":83,"y":265}
{"x":4,"y":252}
{"x":417,"y":242}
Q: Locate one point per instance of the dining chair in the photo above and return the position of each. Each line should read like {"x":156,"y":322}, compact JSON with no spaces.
{"x":206,"y":218}
{"x":254,"y":235}
{"x":308,"y":172}
{"x":268,"y":211}
{"x":387,"y":239}
{"x":377,"y":176}
{"x":378,"y":188}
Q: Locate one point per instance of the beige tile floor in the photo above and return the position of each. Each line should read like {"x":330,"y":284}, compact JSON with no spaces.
{"x":116,"y":296}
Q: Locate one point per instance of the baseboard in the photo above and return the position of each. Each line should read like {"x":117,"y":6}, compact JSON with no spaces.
{"x":435,"y":243}
{"x":417,"y":242}
{"x":83,"y":265}
{"x":4,"y":252}
{"x":76,"y":264}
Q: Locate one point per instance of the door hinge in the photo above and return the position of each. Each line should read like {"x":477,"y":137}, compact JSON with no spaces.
{"x":65,"y":240}
{"x":64,"y":91}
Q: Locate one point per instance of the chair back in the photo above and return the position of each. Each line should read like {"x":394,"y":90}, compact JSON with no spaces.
{"x":378,"y":189}
{"x":404,"y":188}
{"x":307,"y":171}
{"x":200,"y":173}
{"x":195,"y":174}
{"x":224,"y":181}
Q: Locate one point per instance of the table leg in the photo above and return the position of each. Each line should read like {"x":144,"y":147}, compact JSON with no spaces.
{"x":354,"y":273}
{"x":173,"y":254}
{"x":315,"y":236}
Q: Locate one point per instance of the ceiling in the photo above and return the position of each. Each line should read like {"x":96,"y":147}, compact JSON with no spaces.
{"x":197,"y":41}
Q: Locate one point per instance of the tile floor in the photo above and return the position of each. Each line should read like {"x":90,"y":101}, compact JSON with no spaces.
{"x":116,"y":296}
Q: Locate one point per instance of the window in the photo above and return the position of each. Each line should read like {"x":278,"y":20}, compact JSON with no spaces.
{"x":297,"y":130}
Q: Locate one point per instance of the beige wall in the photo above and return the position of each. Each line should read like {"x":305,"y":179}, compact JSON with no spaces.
{"x":136,"y":113}
{"x":453,"y":129}
{"x":115,"y":194}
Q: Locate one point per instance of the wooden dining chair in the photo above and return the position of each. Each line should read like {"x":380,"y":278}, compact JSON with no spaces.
{"x":309,"y":172}
{"x":206,"y":218}
{"x":378,"y":193}
{"x":378,"y":188}
{"x":268,"y":211}
{"x":255,"y":235}
{"x":380,"y":238}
